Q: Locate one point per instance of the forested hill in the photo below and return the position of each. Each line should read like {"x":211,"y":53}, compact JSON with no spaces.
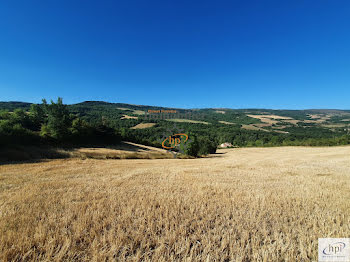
{"x":241,"y":127}
{"x":265,"y":119}
{"x":11,"y":106}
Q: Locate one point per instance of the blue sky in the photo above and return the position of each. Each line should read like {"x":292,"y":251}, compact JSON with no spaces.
{"x":187,"y":54}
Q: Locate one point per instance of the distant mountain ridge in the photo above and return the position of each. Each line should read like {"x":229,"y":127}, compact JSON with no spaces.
{"x":19,"y":104}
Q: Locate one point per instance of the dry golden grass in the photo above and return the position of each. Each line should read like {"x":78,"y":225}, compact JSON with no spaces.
{"x":226,"y":123}
{"x":315,"y":116}
{"x":278,"y":117}
{"x":128,"y":117}
{"x":254,"y":127}
{"x":279,"y":127}
{"x":104,"y":153}
{"x":269,"y":120}
{"x":264,"y":119}
{"x":187,"y":121}
{"x":249,"y":204}
{"x":262,"y":125}
{"x":334,"y":125}
{"x":294,"y":122}
{"x":124,"y":150}
{"x":317,"y":121}
{"x":271,"y":117}
{"x":281,"y":132}
{"x":143,"y":125}
{"x":318,"y":118}
{"x":136,"y":112}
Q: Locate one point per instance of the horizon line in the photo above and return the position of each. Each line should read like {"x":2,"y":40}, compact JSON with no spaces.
{"x":193,"y":108}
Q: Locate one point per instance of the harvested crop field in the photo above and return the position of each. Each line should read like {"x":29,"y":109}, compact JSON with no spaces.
{"x":246,"y":204}
{"x":126,"y":150}
{"x":226,"y":123}
{"x":254,"y":127}
{"x":128,"y":117}
{"x":143,"y":125}
{"x":270,"y":116}
{"x":187,"y":121}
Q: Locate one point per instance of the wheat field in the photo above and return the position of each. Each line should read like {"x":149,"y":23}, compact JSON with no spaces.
{"x":248,"y":204}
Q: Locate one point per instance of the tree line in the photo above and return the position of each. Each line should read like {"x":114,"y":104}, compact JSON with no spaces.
{"x":91,"y":124}
{"x":52,"y":124}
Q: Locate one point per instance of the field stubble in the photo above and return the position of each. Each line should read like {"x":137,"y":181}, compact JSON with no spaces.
{"x":267,"y":204}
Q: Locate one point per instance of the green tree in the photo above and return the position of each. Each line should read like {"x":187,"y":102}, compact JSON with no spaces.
{"x":37,"y":115}
{"x":206,"y":146}
{"x":192,"y":146}
{"x":58,"y":119}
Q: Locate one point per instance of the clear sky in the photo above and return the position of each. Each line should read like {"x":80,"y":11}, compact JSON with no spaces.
{"x":189,"y":54}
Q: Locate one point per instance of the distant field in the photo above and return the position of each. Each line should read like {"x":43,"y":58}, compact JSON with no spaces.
{"x":128,"y":117}
{"x":294,"y":122}
{"x":246,"y":204}
{"x":281,"y":132}
{"x":335,"y":125}
{"x":136,"y":112}
{"x":143,"y":125}
{"x":266,"y":118}
{"x":188,"y":121}
{"x":253,"y":127}
{"x":319,"y":117}
{"x":226,"y":123}
{"x":270,"y":116}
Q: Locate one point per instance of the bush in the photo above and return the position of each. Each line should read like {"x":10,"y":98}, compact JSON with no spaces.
{"x":192,"y":146}
{"x":200,"y":145}
{"x":206,"y":146}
